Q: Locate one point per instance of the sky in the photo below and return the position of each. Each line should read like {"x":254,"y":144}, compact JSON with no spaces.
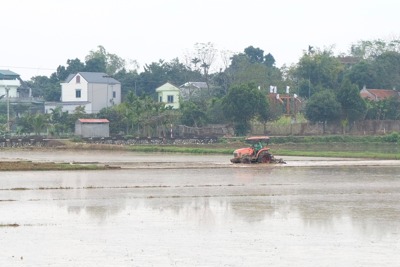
{"x":38,"y":36}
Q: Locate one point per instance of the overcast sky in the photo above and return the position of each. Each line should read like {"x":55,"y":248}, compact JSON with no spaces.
{"x":38,"y":36}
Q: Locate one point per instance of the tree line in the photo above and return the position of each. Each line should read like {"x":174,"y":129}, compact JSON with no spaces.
{"x":236,"y":93}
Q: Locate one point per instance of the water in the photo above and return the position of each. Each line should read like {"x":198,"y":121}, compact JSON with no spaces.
{"x":215,"y":214}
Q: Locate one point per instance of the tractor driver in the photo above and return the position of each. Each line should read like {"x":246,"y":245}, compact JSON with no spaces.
{"x":257,"y":146}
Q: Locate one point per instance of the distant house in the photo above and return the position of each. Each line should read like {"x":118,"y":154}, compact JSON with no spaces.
{"x":190,"y":90}
{"x":11,"y":82}
{"x":14,"y":90}
{"x":379,"y":94}
{"x":92,"y":128}
{"x":92,"y":90}
{"x":168,"y":94}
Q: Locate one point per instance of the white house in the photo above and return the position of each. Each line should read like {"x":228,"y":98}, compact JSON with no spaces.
{"x":92,"y":90}
{"x":168,"y":94}
{"x":9,"y":84}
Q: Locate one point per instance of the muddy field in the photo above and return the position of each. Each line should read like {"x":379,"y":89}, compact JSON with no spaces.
{"x":191,"y":210}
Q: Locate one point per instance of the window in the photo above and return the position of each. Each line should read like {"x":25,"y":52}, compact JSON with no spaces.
{"x":78,"y":79}
{"x":160,"y":99}
{"x":78,"y":93}
{"x":114,"y":94}
{"x":170,"y":99}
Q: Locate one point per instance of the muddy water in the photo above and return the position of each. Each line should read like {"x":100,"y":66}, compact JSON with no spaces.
{"x":305,"y":213}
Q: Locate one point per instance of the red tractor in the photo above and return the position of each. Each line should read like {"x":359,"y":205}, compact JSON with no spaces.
{"x":256,"y":153}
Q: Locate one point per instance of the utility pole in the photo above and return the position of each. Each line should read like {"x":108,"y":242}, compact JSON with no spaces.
{"x":8,"y":109}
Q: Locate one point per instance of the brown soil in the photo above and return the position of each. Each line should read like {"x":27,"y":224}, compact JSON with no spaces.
{"x":43,"y":166}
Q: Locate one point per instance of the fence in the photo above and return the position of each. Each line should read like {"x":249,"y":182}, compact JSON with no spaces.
{"x":367,"y":127}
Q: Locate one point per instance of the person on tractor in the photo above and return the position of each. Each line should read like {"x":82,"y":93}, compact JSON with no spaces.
{"x":257,"y":146}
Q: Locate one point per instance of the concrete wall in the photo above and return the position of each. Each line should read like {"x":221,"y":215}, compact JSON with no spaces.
{"x":101,"y":95}
{"x":368,"y":127}
{"x":68,"y":91}
{"x":92,"y":129}
{"x":12,"y":85}
{"x":163,"y":97}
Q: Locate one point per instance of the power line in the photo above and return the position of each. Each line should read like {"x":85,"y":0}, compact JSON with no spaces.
{"x":31,"y":68}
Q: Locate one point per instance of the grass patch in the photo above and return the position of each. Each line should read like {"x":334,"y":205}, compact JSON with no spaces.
{"x":9,"y":225}
{"x":341,"y":150}
{"x":338,"y":154}
{"x":45,"y":166}
{"x":180,"y":149}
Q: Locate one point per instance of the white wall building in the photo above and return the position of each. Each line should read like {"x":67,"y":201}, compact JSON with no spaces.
{"x":92,"y":90}
{"x":9,"y":82}
{"x":168,"y":94}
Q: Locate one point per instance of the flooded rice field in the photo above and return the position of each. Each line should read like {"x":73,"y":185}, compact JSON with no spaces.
{"x":190,"y":210}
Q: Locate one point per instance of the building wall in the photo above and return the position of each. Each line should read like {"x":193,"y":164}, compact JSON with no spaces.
{"x":12,"y":85}
{"x":70,"y":107}
{"x":68,"y":91}
{"x":99,"y":94}
{"x":163,"y":97}
{"x":92,"y":129}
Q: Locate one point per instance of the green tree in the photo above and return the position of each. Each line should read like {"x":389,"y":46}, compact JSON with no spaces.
{"x":215,"y":112}
{"x":353,"y":106}
{"x":242,"y":70}
{"x":255,"y":55}
{"x":96,"y":64}
{"x":45,"y":87}
{"x":363,"y":74}
{"x":368,"y":49}
{"x":58,"y":121}
{"x":320,"y":70}
{"x":386,"y":109}
{"x":116,"y":116}
{"x":242,"y":104}
{"x":269,"y":60}
{"x":387,"y":68}
{"x":129,"y":81}
{"x":107,"y":62}
{"x":25,"y":124}
{"x":323,"y":107}
{"x":153,"y":76}
{"x":39,"y":123}
{"x":192,"y":114}
{"x":158,"y":73}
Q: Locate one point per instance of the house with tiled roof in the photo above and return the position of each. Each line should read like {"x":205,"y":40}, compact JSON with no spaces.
{"x":379,"y":94}
{"x":190,"y":90}
{"x":91,"y":90}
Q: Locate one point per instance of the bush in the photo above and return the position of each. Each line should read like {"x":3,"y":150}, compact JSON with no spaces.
{"x":393,"y":137}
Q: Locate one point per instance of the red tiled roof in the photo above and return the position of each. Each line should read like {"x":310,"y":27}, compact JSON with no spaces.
{"x":93,"y":120}
{"x":379,"y":94}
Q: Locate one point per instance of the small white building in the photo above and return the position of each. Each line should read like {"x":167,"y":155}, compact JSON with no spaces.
{"x":168,"y":94}
{"x":9,"y":84}
{"x":92,"y":128}
{"x":92,"y":90}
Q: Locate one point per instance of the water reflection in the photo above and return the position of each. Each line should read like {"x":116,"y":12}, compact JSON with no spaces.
{"x":205,"y":217}
{"x":318,"y":198}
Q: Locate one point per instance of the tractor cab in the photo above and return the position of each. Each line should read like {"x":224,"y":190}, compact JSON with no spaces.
{"x":257,"y":143}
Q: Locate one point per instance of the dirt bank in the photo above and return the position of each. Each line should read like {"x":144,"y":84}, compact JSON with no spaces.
{"x":44,"y":166}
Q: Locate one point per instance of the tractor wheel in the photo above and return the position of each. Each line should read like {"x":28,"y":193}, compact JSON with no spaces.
{"x":264,"y":157}
{"x":246,"y":160}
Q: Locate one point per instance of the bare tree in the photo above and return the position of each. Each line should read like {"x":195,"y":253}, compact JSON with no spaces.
{"x":206,"y":54}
